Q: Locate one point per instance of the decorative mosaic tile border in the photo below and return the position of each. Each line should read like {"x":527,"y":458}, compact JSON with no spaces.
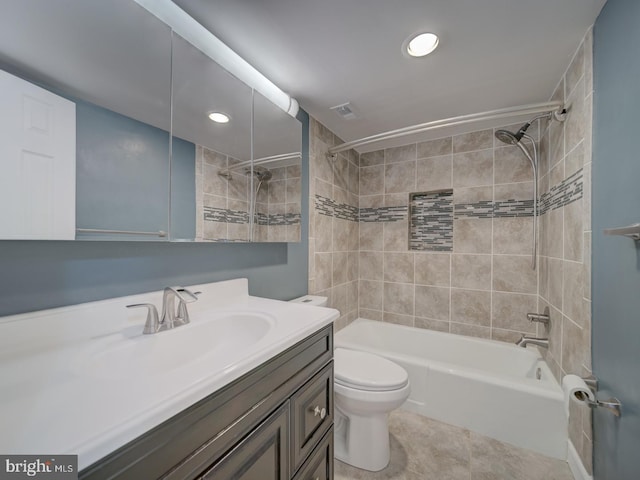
{"x":562,"y":194}
{"x":431,"y":227}
{"x":225,"y":215}
{"x":330,"y":208}
{"x":384,"y":214}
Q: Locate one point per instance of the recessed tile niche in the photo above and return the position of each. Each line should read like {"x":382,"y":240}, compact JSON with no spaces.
{"x":431,"y":221}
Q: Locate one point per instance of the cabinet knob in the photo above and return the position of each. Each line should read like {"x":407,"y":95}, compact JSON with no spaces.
{"x":319,"y":412}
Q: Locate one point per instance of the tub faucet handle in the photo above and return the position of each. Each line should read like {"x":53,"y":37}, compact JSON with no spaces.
{"x":539,"y":317}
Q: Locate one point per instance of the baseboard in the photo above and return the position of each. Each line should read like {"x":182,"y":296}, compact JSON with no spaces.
{"x":575,"y":464}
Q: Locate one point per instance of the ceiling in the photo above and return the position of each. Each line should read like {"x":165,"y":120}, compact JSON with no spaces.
{"x":492,"y":54}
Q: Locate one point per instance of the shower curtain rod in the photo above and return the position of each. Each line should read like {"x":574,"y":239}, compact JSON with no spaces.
{"x":260,"y":161}
{"x":533,"y":109}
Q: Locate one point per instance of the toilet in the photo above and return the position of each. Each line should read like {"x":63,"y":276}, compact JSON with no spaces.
{"x":367,"y":388}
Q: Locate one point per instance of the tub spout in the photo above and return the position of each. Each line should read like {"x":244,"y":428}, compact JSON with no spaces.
{"x":527,"y":340}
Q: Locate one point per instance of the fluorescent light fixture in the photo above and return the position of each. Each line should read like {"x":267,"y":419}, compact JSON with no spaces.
{"x":205,"y":41}
{"x":219,"y":117}
{"x":422,"y":44}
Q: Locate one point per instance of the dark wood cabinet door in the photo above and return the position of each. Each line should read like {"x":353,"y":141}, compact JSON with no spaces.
{"x":262,"y":455}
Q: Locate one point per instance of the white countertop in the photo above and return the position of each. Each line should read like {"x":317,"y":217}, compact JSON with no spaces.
{"x":55,"y":399}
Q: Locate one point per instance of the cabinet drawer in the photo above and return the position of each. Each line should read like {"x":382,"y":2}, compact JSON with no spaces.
{"x":263,"y":455}
{"x":319,"y":466}
{"x":312,"y":414}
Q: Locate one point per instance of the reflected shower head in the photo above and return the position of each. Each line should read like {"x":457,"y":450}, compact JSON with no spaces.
{"x":261,"y":173}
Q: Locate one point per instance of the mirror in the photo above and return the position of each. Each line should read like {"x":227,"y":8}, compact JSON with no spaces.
{"x":86,"y":92}
{"x":277,"y":147}
{"x":210,"y":187}
{"x":108,"y":66}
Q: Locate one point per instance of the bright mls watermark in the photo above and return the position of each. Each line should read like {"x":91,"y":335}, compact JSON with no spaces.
{"x":50,"y":467}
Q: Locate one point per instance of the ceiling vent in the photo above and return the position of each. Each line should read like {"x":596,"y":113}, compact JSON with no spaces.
{"x":345,"y":110}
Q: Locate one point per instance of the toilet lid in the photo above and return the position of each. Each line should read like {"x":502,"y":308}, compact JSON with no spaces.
{"x":366,"y":371}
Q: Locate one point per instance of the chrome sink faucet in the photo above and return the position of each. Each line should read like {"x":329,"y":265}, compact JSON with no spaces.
{"x":527,"y":340}
{"x":170,"y":318}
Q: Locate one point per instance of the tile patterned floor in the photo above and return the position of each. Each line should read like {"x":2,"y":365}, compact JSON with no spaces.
{"x":424,"y":449}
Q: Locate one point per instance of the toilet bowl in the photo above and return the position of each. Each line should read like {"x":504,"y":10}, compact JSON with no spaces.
{"x":367,"y":388}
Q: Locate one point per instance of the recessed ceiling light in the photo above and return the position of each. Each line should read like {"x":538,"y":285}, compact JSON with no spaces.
{"x":422,"y":44}
{"x":219,"y":117}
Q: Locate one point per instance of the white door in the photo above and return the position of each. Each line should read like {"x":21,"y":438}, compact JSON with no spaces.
{"x":38,"y":162}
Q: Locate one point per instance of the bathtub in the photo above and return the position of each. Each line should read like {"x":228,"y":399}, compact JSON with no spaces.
{"x":492,"y":388}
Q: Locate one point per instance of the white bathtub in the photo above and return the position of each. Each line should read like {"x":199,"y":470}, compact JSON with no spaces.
{"x":485,"y":386}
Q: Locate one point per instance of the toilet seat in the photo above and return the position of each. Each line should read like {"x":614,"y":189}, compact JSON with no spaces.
{"x":366,"y":371}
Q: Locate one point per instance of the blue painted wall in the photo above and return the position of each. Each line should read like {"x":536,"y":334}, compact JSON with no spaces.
{"x":616,"y":260}
{"x":35,"y":275}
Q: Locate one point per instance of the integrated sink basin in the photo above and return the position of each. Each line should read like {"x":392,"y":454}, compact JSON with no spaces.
{"x":122,"y":356}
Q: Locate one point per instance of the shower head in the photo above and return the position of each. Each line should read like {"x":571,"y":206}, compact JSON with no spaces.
{"x":510,"y":138}
{"x":261,"y":173}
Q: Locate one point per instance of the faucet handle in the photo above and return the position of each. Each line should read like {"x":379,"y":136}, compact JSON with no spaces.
{"x":182,"y":316}
{"x":538,"y":317}
{"x":152,"y":324}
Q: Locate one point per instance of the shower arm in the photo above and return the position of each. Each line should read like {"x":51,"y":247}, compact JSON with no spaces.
{"x":534,"y":167}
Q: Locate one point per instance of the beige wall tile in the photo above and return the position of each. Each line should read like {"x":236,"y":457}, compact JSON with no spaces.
{"x":468,"y":142}
{"x":470,"y":330}
{"x":400,"y":177}
{"x":341,"y":171}
{"x":324,"y":233}
{"x":576,"y":122}
{"x":339,"y":268}
{"x":370,"y":295}
{"x":508,"y":336}
{"x":396,"y":236}
{"x":543,"y":277}
{"x":432,"y":269}
{"x":471,"y":306}
{"x":513,"y":235}
{"x":473,"y":169}
{"x":400,"y":154}
{"x":372,"y":158}
{"x":573,"y":231}
{"x":472,"y":235}
{"x":406,"y":320}
{"x":371,"y":264}
{"x":473,"y":194}
{"x":510,"y":311}
{"x":371,"y":236}
{"x":434,"y":173}
{"x":572,"y":295}
{"x":511,"y":166}
{"x":398,"y":267}
{"x":586,"y":269}
{"x":370,"y":314}
{"x":573,"y":347}
{"x":398,"y":298}
{"x":555,"y":230}
{"x":435,"y":148}
{"x":323,"y":270}
{"x":353,"y":270}
{"x":432,"y":302}
{"x":513,"y":191}
{"x":340,"y":234}
{"x":430,"y":324}
{"x":354,"y":179}
{"x":514,"y":274}
{"x":471,"y":271}
{"x":371,"y":201}
{"x":372,"y":180}
{"x":574,"y":160}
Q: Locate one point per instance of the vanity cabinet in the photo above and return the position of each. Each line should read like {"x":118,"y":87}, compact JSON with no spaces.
{"x":274,"y":422}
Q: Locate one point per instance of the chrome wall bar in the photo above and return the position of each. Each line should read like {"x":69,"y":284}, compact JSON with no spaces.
{"x":505,"y":113}
{"x":159,"y":233}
